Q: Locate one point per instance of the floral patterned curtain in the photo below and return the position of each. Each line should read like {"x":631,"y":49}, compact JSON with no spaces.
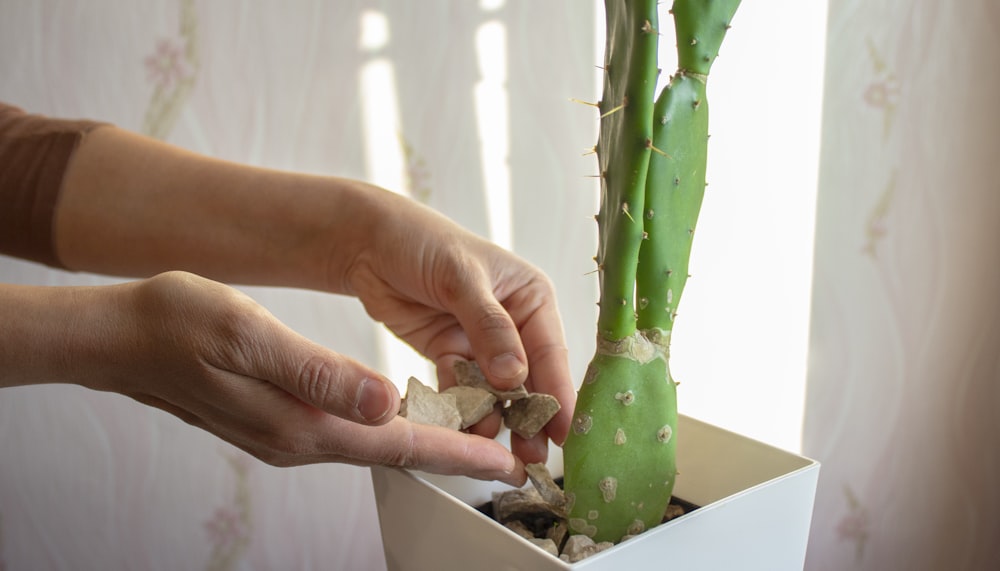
{"x":903,"y":369}
{"x":96,"y":481}
{"x":904,"y":383}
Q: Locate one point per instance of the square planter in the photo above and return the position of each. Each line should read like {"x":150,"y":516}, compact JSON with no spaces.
{"x":755,"y":506}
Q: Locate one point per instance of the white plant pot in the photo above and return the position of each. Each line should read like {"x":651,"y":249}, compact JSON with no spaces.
{"x":755,"y":509}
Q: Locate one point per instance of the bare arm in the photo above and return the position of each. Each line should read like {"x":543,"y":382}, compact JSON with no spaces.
{"x":134,"y":206}
{"x":137,"y":207}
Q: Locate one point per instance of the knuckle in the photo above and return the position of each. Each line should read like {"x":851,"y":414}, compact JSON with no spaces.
{"x":318,"y":381}
{"x":494,"y":319}
{"x":404,"y":454}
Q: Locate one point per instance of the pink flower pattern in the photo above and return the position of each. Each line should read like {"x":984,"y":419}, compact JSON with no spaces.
{"x":881,"y":94}
{"x":172,"y":69}
{"x":227,"y":528}
{"x":230,"y":528}
{"x":854,"y":526}
{"x":167,"y":67}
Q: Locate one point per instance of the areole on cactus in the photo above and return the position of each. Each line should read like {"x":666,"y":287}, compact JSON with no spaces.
{"x":620,"y":462}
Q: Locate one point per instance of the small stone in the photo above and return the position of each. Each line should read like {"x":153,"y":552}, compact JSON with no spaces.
{"x":547,"y":545}
{"x":529,"y":415}
{"x":473,"y":404}
{"x":579,"y":547}
{"x":518,"y":527}
{"x":425,"y":406}
{"x":547,"y":487}
{"x":468,"y":374}
{"x":673,"y":510}
{"x":602,"y":546}
{"x":558,"y":533}
{"x":522,"y":504}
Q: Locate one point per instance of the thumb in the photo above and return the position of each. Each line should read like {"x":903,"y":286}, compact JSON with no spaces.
{"x":325,"y":379}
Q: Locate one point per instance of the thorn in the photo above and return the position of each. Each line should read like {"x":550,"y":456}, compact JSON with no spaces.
{"x":697,"y":103}
{"x":645,"y":235}
{"x":590,"y":151}
{"x":615,"y":110}
{"x":650,"y":146}
{"x":694,"y":41}
{"x":626,"y":212}
{"x":647,"y":28}
{"x":587,"y":103}
{"x":649,"y":214}
{"x":599,"y":268}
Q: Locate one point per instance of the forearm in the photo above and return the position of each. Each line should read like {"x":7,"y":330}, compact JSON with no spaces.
{"x":134,"y":206}
{"x":55,"y":334}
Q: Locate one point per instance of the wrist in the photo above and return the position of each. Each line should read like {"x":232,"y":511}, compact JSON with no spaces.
{"x":57,"y":334}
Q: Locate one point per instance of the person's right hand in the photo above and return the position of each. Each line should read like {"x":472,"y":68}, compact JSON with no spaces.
{"x":211,"y":356}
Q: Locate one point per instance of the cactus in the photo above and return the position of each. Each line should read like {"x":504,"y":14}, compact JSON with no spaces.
{"x":620,"y":455}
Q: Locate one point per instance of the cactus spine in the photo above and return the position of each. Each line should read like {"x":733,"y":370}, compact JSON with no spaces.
{"x":620,"y":455}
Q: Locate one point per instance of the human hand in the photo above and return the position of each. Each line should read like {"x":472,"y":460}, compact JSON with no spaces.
{"x":452,"y":295}
{"x":211,"y":356}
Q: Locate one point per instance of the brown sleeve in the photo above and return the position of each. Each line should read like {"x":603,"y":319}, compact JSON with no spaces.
{"x":34,"y":154}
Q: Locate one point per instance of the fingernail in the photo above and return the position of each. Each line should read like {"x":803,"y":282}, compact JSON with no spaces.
{"x":373,"y":401}
{"x":512,"y":476}
{"x":506,"y":366}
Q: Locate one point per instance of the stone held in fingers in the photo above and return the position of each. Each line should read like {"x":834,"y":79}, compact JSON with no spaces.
{"x":468,"y":374}
{"x":424,"y":405}
{"x":474,"y":404}
{"x":527,"y":416}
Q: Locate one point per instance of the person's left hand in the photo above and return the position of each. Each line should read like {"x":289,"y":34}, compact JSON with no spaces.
{"x":452,"y":295}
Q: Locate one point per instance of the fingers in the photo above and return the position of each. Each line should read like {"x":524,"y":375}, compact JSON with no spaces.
{"x":550,"y":372}
{"x":282,"y":431}
{"x":530,"y":450}
{"x":533,"y":307}
{"x":433,"y":449}
{"x":322,"y":378}
{"x":492,"y":333}
{"x":339,"y":386}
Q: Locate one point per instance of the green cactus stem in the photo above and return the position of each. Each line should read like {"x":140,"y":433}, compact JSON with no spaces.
{"x":620,"y":462}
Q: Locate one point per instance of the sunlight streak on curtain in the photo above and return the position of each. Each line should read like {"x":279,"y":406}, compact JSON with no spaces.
{"x":492,"y":114}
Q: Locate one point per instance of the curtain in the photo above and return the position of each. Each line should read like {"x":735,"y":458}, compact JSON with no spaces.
{"x":96,"y":481}
{"x":904,"y":366}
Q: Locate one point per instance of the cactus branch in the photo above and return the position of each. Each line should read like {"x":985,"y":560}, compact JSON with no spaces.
{"x":620,"y":455}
